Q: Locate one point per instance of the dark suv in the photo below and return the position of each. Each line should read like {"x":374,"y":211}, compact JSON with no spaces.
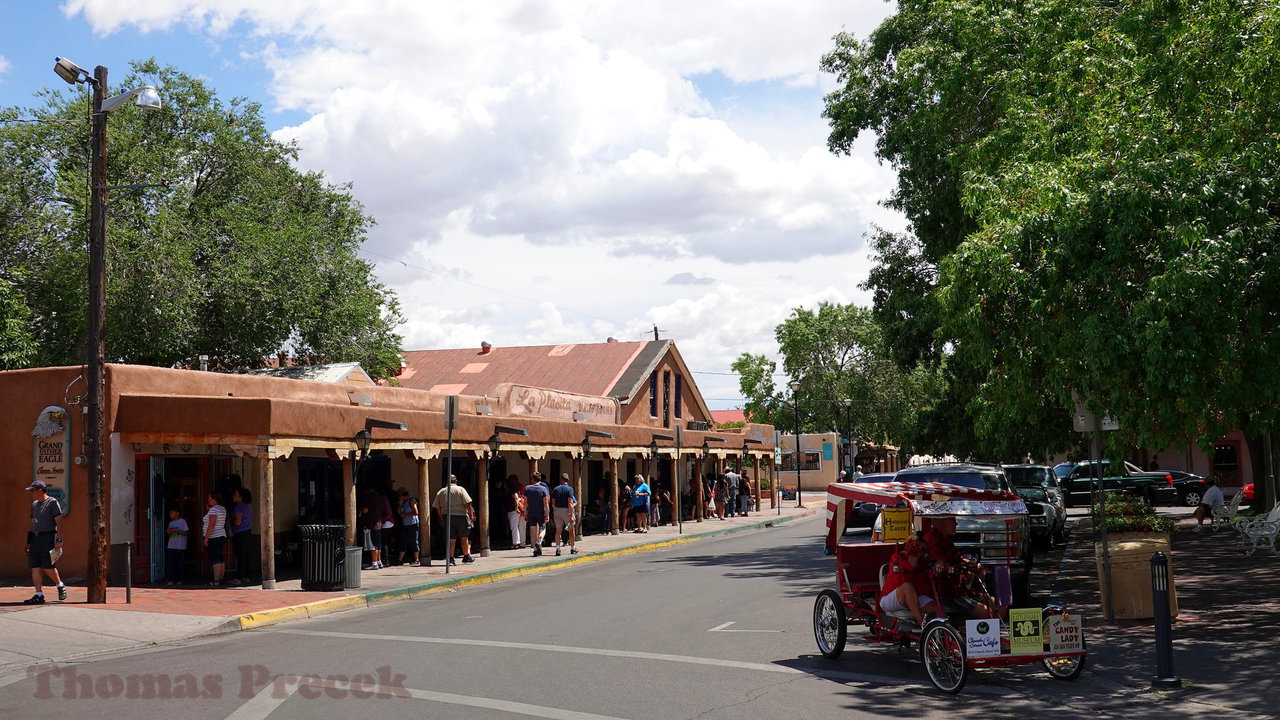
{"x":989,"y":539}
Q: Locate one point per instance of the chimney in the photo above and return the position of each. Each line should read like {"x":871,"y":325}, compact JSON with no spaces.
{"x":612,"y":340}
{"x":485,"y":347}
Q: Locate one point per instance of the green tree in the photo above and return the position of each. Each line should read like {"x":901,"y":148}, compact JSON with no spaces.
{"x":1092,"y":187}
{"x":836,"y":352}
{"x":238,"y":255}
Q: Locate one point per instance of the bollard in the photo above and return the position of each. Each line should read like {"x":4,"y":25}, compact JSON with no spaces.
{"x":128,"y":573}
{"x":1164,"y":679}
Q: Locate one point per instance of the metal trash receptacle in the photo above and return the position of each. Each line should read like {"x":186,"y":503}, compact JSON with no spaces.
{"x":354,"y":557}
{"x":323,"y":556}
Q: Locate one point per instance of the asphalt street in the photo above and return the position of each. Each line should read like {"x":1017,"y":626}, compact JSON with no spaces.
{"x":712,"y":629}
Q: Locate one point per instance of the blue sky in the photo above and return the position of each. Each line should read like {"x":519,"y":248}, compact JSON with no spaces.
{"x":540,"y":173}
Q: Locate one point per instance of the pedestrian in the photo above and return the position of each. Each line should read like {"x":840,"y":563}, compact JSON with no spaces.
{"x":371,"y":523}
{"x":625,"y":497}
{"x":515,"y":506}
{"x":176,"y":547}
{"x":640,"y":504}
{"x":731,"y":496}
{"x":1212,"y":499}
{"x":602,"y":505}
{"x":409,"y":522}
{"x":565,"y":505}
{"x":42,"y":539}
{"x":453,"y":503}
{"x":242,"y":535}
{"x":856,"y":475}
{"x":722,"y":495}
{"x":744,"y":495}
{"x":537,"y":507}
{"x":387,"y":517}
{"x":214,"y":531}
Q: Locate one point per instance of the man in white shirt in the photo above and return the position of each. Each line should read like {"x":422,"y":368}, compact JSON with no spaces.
{"x":1212,"y":499}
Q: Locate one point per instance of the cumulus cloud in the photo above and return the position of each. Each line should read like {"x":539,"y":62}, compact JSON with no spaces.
{"x":688,"y":278}
{"x":4,"y":66}
{"x":546,"y":172}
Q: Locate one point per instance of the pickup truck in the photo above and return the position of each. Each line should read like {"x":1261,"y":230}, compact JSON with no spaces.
{"x":1080,"y":480}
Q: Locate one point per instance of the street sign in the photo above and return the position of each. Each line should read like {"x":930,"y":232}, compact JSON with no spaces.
{"x":1084,"y":421}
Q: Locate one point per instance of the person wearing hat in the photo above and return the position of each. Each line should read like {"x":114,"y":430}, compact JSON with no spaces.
{"x":907,"y":581}
{"x":42,"y":539}
{"x":564,"y":504}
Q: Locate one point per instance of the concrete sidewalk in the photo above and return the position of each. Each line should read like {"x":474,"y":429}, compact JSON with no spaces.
{"x":1225,"y":648}
{"x":62,"y":631}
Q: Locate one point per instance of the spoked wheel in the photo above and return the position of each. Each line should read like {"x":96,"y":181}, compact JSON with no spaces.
{"x":1064,"y":667}
{"x":830,"y":623}
{"x":942,"y":652}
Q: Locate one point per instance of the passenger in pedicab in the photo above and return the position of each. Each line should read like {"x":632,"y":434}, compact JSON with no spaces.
{"x":956,"y":575}
{"x":907,"y":582}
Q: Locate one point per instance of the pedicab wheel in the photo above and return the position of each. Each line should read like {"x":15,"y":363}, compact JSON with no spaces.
{"x":830,"y":623}
{"x":1064,"y":667}
{"x":942,"y":653}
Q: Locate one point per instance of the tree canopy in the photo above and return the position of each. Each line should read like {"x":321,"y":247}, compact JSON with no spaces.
{"x":1091,"y":189}
{"x":836,"y":352}
{"x":238,"y":255}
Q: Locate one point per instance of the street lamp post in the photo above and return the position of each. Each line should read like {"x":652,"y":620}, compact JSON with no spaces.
{"x":848,"y":433}
{"x":582,"y":473}
{"x":795,"y":400}
{"x":96,"y":572}
{"x":482,"y":514}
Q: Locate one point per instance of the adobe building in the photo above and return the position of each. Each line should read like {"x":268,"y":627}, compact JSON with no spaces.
{"x":174,"y":436}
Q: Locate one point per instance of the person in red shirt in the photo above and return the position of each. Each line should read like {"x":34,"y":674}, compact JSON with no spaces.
{"x":953,"y":573}
{"x":908,"y":581}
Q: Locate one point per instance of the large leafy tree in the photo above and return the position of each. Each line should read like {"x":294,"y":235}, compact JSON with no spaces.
{"x":238,"y":254}
{"x":836,"y":352}
{"x":1111,"y":174}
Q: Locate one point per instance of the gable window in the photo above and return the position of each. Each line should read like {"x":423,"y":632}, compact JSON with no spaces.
{"x":653,"y":394}
{"x":679,"y":395}
{"x":666,"y":399}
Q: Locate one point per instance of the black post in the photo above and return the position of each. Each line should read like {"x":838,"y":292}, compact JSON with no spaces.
{"x":96,"y":572}
{"x":1164,"y":679}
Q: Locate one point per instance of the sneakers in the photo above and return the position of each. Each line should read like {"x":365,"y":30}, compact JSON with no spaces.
{"x":62,"y":592}
{"x":468,"y":559}
{"x":573,"y":551}
{"x":557,"y":552}
{"x":366,"y":567}
{"x":537,"y":551}
{"x":34,"y":600}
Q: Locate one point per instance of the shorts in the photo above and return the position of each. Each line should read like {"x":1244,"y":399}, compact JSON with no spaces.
{"x":889,"y":603}
{"x":38,"y":553}
{"x":375,"y":538}
{"x":564,"y":516}
{"x":537,"y":520}
{"x":458,"y":526}
{"x":215,"y":550}
{"x":639,"y":509}
{"x":409,"y":538}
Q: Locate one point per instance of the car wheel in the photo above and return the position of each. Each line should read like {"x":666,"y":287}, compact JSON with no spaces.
{"x":1191,"y":498}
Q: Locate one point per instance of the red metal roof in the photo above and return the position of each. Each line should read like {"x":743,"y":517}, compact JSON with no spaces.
{"x":727,"y":416}
{"x":587,"y":369}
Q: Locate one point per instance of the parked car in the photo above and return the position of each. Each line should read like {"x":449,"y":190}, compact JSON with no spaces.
{"x":1041,"y":476}
{"x":865,"y":514}
{"x":1080,"y":480}
{"x":1248,"y":492}
{"x":1189,"y":486}
{"x":986,"y":540}
{"x":1047,"y":514}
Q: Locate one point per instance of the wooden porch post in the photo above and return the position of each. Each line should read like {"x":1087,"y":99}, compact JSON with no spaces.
{"x":613,"y":494}
{"x":424,"y":511}
{"x":267,"y":520}
{"x":482,"y":500}
{"x":349,"y":497}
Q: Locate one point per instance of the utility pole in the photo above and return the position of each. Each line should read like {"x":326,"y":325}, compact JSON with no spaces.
{"x":96,"y":572}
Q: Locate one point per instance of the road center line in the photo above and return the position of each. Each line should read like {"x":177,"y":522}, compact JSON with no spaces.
{"x":661,"y":657}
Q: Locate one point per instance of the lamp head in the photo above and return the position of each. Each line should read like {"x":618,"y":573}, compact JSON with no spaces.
{"x":795,"y":386}
{"x":495,"y":442}
{"x":148,"y":98}
{"x":363,"y":437}
{"x":70,"y":71}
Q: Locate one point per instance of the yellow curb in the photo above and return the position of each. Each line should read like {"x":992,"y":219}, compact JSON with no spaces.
{"x":272,"y":617}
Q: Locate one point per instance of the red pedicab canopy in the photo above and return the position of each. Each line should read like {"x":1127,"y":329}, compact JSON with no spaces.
{"x":924,"y":498}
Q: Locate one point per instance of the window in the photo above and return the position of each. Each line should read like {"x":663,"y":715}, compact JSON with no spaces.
{"x":653,"y":394}
{"x":666,"y":399}
{"x":812,"y":460}
{"x":679,"y":395}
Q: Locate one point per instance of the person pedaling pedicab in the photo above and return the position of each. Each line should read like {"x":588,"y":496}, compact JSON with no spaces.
{"x":907,"y":584}
{"x":956,"y":576}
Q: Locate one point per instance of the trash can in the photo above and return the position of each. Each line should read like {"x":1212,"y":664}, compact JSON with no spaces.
{"x":1131,"y":576}
{"x":354,"y":556}
{"x":323,"y":556}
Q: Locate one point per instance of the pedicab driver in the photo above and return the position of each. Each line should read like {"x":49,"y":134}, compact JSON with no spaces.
{"x":954,"y":573}
{"x":907,"y":582}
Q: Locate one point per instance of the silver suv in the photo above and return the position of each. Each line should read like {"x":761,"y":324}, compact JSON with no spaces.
{"x":988,"y":539}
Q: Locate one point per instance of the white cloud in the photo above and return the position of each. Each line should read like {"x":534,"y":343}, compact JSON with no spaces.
{"x":562,"y":159}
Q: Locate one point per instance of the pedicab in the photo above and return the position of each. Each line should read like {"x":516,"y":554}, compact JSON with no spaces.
{"x":949,"y":646}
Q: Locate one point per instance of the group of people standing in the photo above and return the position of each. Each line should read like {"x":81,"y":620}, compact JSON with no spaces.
{"x":216,"y":527}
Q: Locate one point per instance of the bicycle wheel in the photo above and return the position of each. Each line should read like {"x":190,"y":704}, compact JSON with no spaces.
{"x":942,"y":653}
{"x":830,"y":623}
{"x":1064,"y":667}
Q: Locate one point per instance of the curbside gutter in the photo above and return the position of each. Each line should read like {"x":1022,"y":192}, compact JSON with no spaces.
{"x":317,"y":608}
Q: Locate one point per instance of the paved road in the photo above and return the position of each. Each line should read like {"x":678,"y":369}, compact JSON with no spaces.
{"x":713,"y":629}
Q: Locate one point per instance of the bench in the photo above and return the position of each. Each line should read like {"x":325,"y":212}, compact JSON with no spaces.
{"x":858,"y":567}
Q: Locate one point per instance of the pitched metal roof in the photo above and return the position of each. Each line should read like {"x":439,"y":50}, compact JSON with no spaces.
{"x":606,"y":369}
